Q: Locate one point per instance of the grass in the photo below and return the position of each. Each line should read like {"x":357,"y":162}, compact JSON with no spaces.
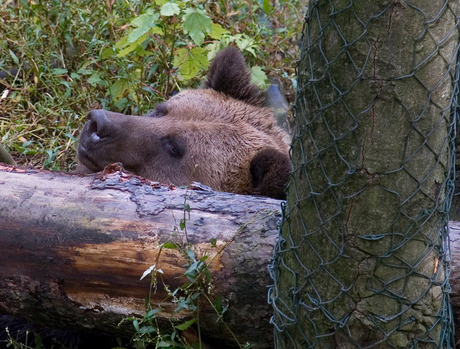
{"x":67,"y":65}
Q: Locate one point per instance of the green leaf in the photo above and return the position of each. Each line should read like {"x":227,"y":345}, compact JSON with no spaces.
{"x":197,"y":23}
{"x":243,"y":42}
{"x":143,"y":23}
{"x":169,"y":9}
{"x":122,"y":42}
{"x":186,"y":325}
{"x":68,"y":38}
{"x":218,"y":303}
{"x":121,"y":103}
{"x":187,"y":207}
{"x":179,"y":56}
{"x":151,"y":314}
{"x":75,"y":76}
{"x":217,"y":31}
{"x":182,"y":224}
{"x":147,"y":329}
{"x":193,"y":270}
{"x":156,"y":30}
{"x":58,"y":71}
{"x":213,"y":242}
{"x":165,"y":344}
{"x":147,"y":272}
{"x":136,"y":325}
{"x":161,"y":2}
{"x":118,"y":89}
{"x":183,"y":304}
{"x":13,"y":56}
{"x":191,"y":62}
{"x":95,"y":79}
{"x":195,"y":295}
{"x":132,"y":46}
{"x":170,"y":245}
{"x":107,"y":52}
{"x":84,"y":71}
{"x":259,"y":77}
{"x":267,"y":7}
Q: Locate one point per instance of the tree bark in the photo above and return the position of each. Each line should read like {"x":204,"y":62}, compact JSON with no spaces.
{"x":73,"y":249}
{"x":454,"y":236}
{"x":364,"y":245}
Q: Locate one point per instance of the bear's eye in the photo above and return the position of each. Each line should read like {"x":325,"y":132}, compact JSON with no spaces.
{"x":159,"y":111}
{"x":174,"y":145}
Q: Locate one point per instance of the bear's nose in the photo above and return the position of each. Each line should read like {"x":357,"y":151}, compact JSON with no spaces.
{"x":99,"y":124}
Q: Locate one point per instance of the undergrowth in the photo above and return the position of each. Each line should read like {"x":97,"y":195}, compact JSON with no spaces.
{"x":123,"y":55}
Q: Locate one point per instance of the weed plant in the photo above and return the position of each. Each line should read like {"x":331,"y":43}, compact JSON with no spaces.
{"x":122,"y":55}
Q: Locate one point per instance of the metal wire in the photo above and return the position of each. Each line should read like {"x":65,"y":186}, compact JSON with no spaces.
{"x":363,"y":256}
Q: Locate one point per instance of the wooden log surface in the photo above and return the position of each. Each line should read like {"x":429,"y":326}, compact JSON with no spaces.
{"x":73,"y":249}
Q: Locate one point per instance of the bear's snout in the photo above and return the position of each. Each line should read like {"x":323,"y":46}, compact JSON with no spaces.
{"x":98,"y":124}
{"x":97,"y":140}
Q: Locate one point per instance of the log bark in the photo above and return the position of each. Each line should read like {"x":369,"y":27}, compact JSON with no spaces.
{"x":73,"y":249}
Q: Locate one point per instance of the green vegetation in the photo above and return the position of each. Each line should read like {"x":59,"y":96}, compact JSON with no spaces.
{"x":124,"y":56}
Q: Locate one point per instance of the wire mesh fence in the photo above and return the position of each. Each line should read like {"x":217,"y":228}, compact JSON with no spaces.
{"x":363,"y":255}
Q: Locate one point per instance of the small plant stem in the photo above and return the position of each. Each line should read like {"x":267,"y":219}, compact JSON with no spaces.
{"x":228,"y":328}
{"x":163,"y":95}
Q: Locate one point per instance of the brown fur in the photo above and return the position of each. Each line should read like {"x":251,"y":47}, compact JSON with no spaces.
{"x":219,"y":136}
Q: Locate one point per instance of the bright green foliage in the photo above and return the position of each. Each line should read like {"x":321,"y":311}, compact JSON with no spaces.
{"x":169,"y":9}
{"x":217,"y":31}
{"x":188,"y":60}
{"x":267,"y":7}
{"x":143,"y":23}
{"x":258,"y":77}
{"x":191,"y":62}
{"x":197,"y":23}
{"x":186,"y":325}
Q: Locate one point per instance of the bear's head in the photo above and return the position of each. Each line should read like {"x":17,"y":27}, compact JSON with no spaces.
{"x":220,"y":136}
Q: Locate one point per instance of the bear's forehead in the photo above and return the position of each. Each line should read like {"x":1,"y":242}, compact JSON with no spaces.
{"x":213,"y":106}
{"x":207,"y":99}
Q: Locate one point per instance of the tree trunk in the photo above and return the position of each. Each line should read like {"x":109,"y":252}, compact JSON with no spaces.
{"x":72,"y":254}
{"x":364,"y":245}
{"x":454,"y":236}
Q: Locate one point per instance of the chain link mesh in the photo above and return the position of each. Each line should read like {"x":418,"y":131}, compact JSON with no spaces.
{"x":363,"y":255}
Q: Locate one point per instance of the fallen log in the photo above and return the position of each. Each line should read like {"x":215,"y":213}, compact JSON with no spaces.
{"x":73,"y":249}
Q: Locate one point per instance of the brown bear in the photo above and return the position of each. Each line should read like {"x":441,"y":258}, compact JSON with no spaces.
{"x":219,"y":135}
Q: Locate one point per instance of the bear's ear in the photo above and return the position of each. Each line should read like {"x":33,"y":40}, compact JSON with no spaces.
{"x":270,"y":173}
{"x":228,"y":74}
